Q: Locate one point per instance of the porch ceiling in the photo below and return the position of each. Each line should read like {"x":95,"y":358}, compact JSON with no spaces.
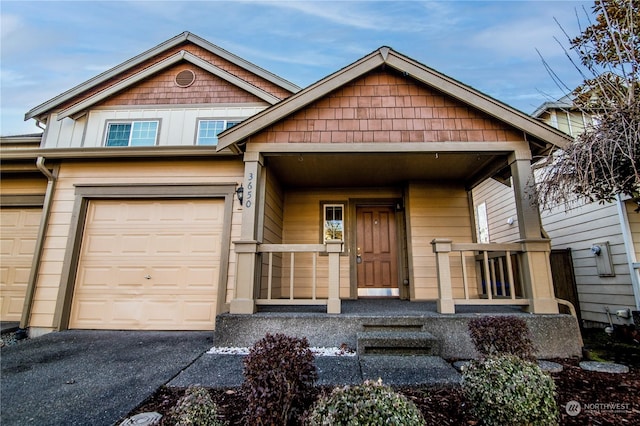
{"x":376,"y":169}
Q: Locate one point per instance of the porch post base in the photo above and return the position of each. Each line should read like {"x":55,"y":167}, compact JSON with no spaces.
{"x":543,"y":306}
{"x":334,"y":306}
{"x":242,"y":306}
{"x":446,"y":306}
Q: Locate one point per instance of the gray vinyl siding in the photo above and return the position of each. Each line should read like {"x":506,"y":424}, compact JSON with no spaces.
{"x":500,"y":201}
{"x":579,"y":229}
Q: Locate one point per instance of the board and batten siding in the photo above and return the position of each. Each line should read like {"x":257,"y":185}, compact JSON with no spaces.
{"x":579,"y":229}
{"x":177,"y":124}
{"x":437,"y":211}
{"x":500,"y":202}
{"x":116,"y":173}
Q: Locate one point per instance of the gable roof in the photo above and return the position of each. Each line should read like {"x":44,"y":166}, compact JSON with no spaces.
{"x":539,"y":134}
{"x":183,"y":55}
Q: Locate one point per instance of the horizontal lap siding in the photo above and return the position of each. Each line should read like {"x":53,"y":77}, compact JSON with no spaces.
{"x":273,"y":230}
{"x":437,"y":211}
{"x":579,"y":229}
{"x":500,"y":202}
{"x":117,"y":173}
{"x":23,"y":186}
{"x":302,"y":222}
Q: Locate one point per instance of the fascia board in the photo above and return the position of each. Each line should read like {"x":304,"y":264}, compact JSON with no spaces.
{"x":254,"y":69}
{"x":478,"y":100}
{"x":290,"y":105}
{"x":147,"y":72}
{"x":116,"y":152}
{"x":136,"y":60}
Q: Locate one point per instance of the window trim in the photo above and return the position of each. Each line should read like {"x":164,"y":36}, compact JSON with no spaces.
{"x":482,"y":205}
{"x":226,"y":122}
{"x":322,"y":214}
{"x":108,"y":124}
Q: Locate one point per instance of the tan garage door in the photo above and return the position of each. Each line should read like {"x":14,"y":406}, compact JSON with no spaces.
{"x":149,"y":265}
{"x":18,"y":233}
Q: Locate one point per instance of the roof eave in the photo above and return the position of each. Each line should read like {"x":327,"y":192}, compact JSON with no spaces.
{"x":420,"y":72}
{"x":47,"y":106}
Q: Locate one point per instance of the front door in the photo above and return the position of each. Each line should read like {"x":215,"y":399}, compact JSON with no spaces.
{"x":376,"y":251}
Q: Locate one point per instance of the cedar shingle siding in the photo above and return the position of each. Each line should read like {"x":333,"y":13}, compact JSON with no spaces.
{"x":161,"y":89}
{"x":384,"y":106}
{"x":198,"y":51}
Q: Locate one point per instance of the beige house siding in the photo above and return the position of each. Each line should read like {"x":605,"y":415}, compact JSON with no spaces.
{"x":23,"y":186}
{"x":436,"y":211}
{"x":302,"y":225}
{"x":57,"y":239}
{"x":273,"y":232}
{"x":634,"y":226}
{"x":500,"y":203}
{"x":579,"y":229}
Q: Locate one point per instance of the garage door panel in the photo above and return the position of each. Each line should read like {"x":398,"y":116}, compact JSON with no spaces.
{"x":176,"y":244}
{"x":18,"y":231}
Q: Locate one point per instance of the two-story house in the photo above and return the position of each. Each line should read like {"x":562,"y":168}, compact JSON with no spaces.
{"x":187,"y":182}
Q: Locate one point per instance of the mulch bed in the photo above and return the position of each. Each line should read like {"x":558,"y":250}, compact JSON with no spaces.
{"x":606,"y":399}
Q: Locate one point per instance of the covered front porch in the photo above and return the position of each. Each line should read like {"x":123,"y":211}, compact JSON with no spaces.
{"x":359,"y":186}
{"x":406,"y":230}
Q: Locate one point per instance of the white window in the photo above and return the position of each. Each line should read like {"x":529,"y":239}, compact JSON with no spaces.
{"x":483,"y":223}
{"x":333,"y":222}
{"x":208,"y":130}
{"x":132,"y":133}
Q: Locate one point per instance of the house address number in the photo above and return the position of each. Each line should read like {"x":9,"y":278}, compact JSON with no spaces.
{"x":249,"y":200}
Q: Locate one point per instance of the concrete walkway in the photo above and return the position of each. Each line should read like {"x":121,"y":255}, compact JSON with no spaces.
{"x":223,"y":371}
{"x":90,"y":377}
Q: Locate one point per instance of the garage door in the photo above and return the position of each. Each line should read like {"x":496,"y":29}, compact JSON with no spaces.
{"x":18,"y":233}
{"x":149,"y":265}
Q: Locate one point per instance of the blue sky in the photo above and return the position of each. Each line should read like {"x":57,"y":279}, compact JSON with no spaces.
{"x":48,"y":47}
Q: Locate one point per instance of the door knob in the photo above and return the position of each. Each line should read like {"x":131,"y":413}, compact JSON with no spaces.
{"x":148,"y":277}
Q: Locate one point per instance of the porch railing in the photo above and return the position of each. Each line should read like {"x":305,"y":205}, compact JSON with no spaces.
{"x":286,"y":253}
{"x":496,"y":270}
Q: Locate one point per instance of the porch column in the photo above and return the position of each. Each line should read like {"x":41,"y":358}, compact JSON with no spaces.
{"x":536,"y":267}
{"x":334,"y":248}
{"x":445,"y":303}
{"x":247,"y":247}
{"x":536,"y":274}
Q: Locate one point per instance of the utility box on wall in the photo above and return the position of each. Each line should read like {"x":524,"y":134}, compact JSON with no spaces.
{"x":604,"y":263}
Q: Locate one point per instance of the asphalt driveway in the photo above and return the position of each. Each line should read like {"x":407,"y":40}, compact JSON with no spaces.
{"x":84,"y":377}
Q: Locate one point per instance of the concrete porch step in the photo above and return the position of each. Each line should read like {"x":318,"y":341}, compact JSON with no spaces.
{"x":397,"y":343}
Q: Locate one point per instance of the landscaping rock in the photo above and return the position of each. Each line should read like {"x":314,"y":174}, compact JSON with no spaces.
{"x":604,"y":367}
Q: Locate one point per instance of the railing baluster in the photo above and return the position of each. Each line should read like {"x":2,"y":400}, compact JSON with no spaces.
{"x":314,"y":256}
{"x":503,"y":290}
{"x":270,"y":277}
{"x":291,"y":276}
{"x":512,"y":284}
{"x":465,"y":282}
{"x":487,"y":274}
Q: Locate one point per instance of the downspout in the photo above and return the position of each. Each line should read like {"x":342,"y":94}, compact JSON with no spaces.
{"x":629,"y":248}
{"x":37,"y":255}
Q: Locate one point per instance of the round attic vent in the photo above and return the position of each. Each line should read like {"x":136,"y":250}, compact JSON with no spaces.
{"x":185,"y":78}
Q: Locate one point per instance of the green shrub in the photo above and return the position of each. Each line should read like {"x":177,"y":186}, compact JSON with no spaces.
{"x":279,"y":376}
{"x":508,"y":390}
{"x":368,"y":404}
{"x":502,"y":335}
{"x":195,"y":408}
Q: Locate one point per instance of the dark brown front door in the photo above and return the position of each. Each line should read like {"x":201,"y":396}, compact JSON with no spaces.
{"x":376,"y":251}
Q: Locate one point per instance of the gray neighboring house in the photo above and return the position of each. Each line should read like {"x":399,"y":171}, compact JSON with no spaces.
{"x":595,"y":247}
